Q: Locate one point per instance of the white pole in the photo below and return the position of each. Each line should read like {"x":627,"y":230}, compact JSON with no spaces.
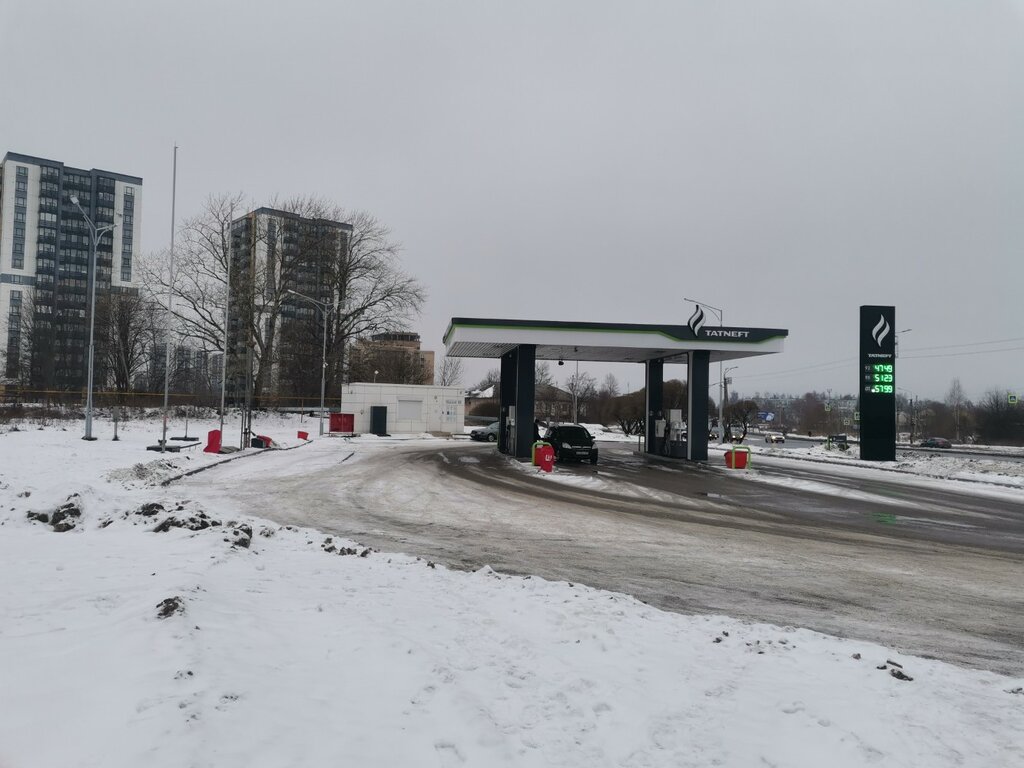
{"x":323,"y":371}
{"x":575,"y":395}
{"x":227,"y":311}
{"x":721,"y":391}
{"x":170,"y":294}
{"x":92,"y":326}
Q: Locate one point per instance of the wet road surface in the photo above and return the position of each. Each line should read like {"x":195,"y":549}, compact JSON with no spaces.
{"x":920,"y":567}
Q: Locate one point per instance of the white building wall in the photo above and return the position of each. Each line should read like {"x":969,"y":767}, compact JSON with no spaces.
{"x":119,"y":187}
{"x":31,"y":223}
{"x":442,"y":410}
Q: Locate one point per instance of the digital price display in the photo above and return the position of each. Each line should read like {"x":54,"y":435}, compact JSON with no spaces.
{"x":877,"y":382}
{"x":881,"y":379}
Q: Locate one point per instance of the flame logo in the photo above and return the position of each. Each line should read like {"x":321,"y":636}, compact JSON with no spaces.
{"x":880,"y":331}
{"x":696,"y":321}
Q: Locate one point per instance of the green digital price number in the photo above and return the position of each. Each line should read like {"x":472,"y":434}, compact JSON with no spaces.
{"x":882,"y":379}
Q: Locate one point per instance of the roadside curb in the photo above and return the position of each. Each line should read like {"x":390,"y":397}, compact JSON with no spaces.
{"x":895,"y":470}
{"x":241,"y":455}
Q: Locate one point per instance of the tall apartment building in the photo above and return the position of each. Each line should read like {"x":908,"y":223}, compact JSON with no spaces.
{"x":395,"y":358}
{"x":45,"y":263}
{"x":273,"y":251}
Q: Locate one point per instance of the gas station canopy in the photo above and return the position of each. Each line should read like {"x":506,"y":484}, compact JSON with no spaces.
{"x":520,"y":343}
{"x":607,"y":342}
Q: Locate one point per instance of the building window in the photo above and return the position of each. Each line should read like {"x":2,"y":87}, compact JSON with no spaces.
{"x":129,"y":191}
{"x":126,"y":273}
{"x":21,"y":186}
{"x":22,"y":171}
{"x":19,"y":215}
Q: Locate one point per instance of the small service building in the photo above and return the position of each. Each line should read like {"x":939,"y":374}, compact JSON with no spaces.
{"x":385,"y":409}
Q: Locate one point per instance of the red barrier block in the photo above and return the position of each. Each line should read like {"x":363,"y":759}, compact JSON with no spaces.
{"x":212,"y":441}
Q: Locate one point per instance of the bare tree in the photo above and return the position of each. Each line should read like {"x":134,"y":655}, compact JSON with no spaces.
{"x":200,"y":271}
{"x":376,"y":295}
{"x":491,"y":379}
{"x":955,"y":399}
{"x":357,"y":274}
{"x":449,"y":372}
{"x":609,"y":387}
{"x":542,"y":375}
{"x":742,"y":412}
{"x":126,"y":326}
{"x":583,"y":387}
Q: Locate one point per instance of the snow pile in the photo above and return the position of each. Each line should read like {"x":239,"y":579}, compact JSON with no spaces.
{"x":164,"y":629}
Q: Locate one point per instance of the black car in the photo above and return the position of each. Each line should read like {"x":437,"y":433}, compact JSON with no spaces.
{"x":572,"y":442}
{"x":935,"y":442}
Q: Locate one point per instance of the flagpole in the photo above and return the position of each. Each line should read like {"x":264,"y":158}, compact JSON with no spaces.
{"x":227,"y":309}
{"x":170,"y":295}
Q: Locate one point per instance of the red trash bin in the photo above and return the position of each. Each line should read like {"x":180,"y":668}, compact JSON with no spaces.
{"x":737,"y":457}
{"x":546,"y":457}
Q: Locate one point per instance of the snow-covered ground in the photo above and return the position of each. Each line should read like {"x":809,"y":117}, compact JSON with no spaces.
{"x":220,"y":639}
{"x":998,"y":468}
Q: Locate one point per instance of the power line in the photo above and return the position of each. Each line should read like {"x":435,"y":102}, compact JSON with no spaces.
{"x":971,"y":344}
{"x":838,"y":363}
{"x":961,"y":354}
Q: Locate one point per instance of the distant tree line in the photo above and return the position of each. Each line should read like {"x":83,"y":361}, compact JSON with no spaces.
{"x":993,"y":420}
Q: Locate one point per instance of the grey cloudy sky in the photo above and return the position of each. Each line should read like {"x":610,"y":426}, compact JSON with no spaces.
{"x":786,"y":161}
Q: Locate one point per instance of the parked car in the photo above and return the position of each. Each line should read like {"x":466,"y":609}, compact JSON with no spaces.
{"x":935,"y":442}
{"x":572,"y":442}
{"x":775,"y":437}
{"x":486,"y":434}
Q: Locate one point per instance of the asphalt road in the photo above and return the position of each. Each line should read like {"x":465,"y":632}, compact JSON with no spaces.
{"x":919,"y":567}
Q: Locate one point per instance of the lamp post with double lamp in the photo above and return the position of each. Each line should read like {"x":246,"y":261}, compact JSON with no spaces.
{"x":324,"y":308}
{"x":721,"y":373}
{"x":95,"y":233}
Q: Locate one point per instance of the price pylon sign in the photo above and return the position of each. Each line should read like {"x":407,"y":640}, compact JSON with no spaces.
{"x":877,"y":384}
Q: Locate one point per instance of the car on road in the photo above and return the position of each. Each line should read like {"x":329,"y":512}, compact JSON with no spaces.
{"x":775,"y":437}
{"x":487,"y":434}
{"x":935,"y":442}
{"x":572,"y":442}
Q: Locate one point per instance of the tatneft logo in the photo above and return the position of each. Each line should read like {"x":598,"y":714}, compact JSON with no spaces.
{"x":881,"y":330}
{"x":717,"y":332}
{"x":696,"y":321}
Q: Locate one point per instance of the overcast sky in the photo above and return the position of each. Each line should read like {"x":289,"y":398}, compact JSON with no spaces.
{"x":598,"y":161}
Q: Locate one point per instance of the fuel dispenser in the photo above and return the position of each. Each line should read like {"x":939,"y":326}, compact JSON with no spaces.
{"x":675,"y":434}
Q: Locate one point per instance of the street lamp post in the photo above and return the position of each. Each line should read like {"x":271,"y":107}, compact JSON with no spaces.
{"x":721,"y":372}
{"x":897,"y":338}
{"x":324,"y":308}
{"x":725,"y":384}
{"x":95,"y":234}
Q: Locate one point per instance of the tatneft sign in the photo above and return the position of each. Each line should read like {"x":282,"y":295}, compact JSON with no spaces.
{"x":877,"y":384}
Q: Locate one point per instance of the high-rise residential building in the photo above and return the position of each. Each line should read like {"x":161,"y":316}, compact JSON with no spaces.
{"x":393,"y":357}
{"x":274,"y":253}
{"x":45,"y":263}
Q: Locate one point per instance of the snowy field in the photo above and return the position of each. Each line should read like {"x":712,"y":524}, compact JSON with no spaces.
{"x":164,"y":629}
